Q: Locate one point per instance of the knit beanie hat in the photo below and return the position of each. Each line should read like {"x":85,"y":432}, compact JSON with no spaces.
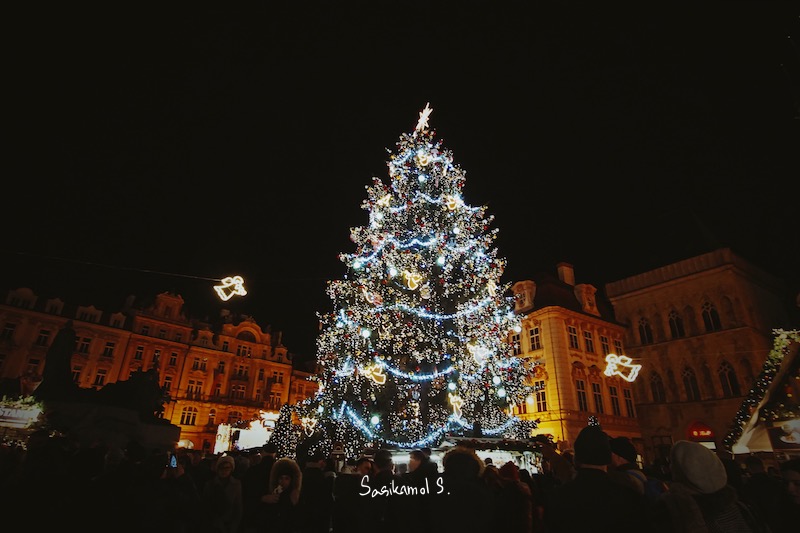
{"x":225,"y":459}
{"x":697,"y":466}
{"x":510,"y":471}
{"x":592,"y":447}
{"x":623,"y":447}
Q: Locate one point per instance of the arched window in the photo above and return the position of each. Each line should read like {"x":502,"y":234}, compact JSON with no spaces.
{"x":189,"y":416}
{"x":246,"y":336}
{"x":711,"y":317}
{"x":728,"y":380}
{"x":676,"y":328}
{"x":234,"y":417}
{"x":645,"y":331}
{"x":212,"y":417}
{"x":690,"y":384}
{"x":657,"y":388}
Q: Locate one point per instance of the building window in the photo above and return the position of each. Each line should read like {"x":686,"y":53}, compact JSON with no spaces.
{"x":145,"y":329}
{"x":614,"y":395}
{"x":541,"y":397}
{"x":583,"y":404}
{"x":657,"y":388}
{"x":676,"y":325}
{"x":728,"y":380}
{"x":212,"y":417}
{"x":588,"y":341}
{"x":711,"y":317}
{"x":522,"y":409}
{"x":44,"y":338}
{"x":76,"y":374}
{"x":618,"y":347}
{"x":139,"y":353}
{"x":690,"y":385}
{"x":535,"y":338}
{"x":8,"y":332}
{"x":274,"y":400}
{"x":193,"y":389}
{"x":572,"y":331}
{"x":196,"y":364}
{"x":116,"y":323}
{"x":260,"y":374}
{"x":162,"y":334}
{"x":33,"y":366}
{"x":597,"y":395}
{"x":225,"y":346}
{"x":242,"y":371}
{"x":82,"y":344}
{"x":604,"y":345}
{"x":244,"y":351}
{"x":645,"y":331}
{"x":516,"y":345}
{"x":234,"y":417}
{"x":238,"y":392}
{"x":173,"y":359}
{"x":218,"y":390}
{"x":188,"y":416}
{"x":258,"y":395}
{"x":100,"y":378}
{"x":628,"y":396}
{"x":167,"y":383}
{"x":108,"y":351}
{"x":178,"y":336}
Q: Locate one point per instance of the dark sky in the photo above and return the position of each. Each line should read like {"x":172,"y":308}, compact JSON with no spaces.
{"x":155,"y":150}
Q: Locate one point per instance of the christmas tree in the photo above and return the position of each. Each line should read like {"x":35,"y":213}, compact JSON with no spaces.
{"x":285,"y":435}
{"x":417,"y":345}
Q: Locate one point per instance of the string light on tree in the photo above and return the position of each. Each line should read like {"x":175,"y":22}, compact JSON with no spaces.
{"x":425,"y":277}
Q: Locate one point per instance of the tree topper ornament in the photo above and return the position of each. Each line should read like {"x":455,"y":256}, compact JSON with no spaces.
{"x":422,"y":123}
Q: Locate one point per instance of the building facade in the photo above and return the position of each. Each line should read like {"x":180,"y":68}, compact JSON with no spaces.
{"x":233,"y":372}
{"x":701,"y":329}
{"x":568,"y":331}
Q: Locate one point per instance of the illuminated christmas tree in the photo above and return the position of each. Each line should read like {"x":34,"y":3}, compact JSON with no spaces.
{"x":285,"y":435}
{"x":417,"y":345}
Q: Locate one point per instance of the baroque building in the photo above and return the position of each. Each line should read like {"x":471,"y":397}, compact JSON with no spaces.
{"x":231,"y":372}
{"x":568,"y":330}
{"x":701,"y":328}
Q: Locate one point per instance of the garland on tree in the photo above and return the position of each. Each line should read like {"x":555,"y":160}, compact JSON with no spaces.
{"x":772,"y":365}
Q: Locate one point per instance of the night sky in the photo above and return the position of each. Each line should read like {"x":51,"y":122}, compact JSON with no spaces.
{"x":155,"y":150}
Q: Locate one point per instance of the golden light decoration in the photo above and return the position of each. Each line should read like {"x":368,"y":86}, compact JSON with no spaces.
{"x":372,"y":297}
{"x":375,"y":372}
{"x":309,"y":424}
{"x":457,"y":402}
{"x":616,"y":362}
{"x":451,"y":202}
{"x":423,"y":159}
{"x":231,"y":286}
{"x":384,"y":201}
{"x":412,"y":279}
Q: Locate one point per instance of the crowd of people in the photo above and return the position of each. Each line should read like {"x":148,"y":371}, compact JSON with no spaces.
{"x":598,"y":486}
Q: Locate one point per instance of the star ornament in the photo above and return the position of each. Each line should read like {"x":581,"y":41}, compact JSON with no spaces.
{"x":457,"y":402}
{"x":422,"y":124}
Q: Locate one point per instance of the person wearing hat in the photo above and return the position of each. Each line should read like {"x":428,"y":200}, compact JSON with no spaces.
{"x":699,"y":496}
{"x":625,"y":469}
{"x":222,"y":498}
{"x":592,"y":500}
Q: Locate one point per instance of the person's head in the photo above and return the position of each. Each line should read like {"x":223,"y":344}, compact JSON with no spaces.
{"x":622,"y":451}
{"x":285,"y":473}
{"x":363,"y":466}
{"x":697,"y":467}
{"x":269,"y":450}
{"x":754,"y":464}
{"x":592,"y":448}
{"x":790,"y":471}
{"x":462,"y":463}
{"x":509,"y":471}
{"x":225,"y":466}
{"x":415,"y":459}
{"x":383,"y":460}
